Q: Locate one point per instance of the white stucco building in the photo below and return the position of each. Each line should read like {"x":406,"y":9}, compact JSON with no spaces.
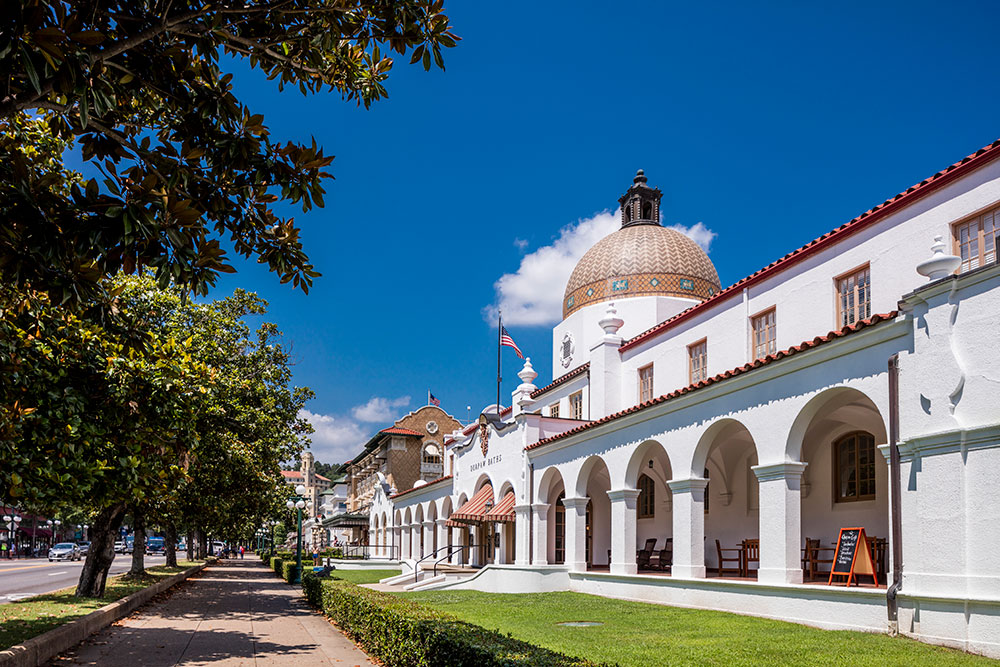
{"x":707,"y":421}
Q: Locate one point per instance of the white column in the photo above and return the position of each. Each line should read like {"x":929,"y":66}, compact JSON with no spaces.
{"x":397,"y":541}
{"x":623,"y":519}
{"x":444,"y":537}
{"x":576,"y":533}
{"x":540,"y":528}
{"x":405,"y":543}
{"x":501,"y":553}
{"x":522,"y":532}
{"x":428,"y":538}
{"x":689,"y":527}
{"x":780,"y":522}
{"x":478,"y":552}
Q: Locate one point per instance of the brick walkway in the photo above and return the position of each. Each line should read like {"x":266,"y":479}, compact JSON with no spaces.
{"x":229,"y":615}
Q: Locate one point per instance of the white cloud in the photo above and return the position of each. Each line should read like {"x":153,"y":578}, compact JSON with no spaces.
{"x":698,"y":233}
{"x":521,"y":244}
{"x":532,"y":296}
{"x":337,"y":439}
{"x":379,"y":409}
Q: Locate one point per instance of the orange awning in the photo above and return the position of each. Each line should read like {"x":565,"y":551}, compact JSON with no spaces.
{"x":503,"y":510}
{"x":475,"y":507}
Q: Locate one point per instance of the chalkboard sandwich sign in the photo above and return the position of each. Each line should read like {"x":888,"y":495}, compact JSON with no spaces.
{"x":853,"y":557}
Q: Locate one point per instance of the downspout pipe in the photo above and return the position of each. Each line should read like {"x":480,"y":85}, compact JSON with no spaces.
{"x":895,"y":509}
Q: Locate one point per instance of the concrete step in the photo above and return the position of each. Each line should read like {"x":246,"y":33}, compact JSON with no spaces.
{"x":425,"y":583}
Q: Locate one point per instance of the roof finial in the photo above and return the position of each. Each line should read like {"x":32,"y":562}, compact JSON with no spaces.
{"x":640,"y":177}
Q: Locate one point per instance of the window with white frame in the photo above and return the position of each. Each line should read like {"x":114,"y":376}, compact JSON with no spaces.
{"x":576,"y":405}
{"x":764,"y":334}
{"x":854,"y":299}
{"x":646,"y":383}
{"x":698,"y":361}
{"x":554,"y":410}
{"x":975,"y":240}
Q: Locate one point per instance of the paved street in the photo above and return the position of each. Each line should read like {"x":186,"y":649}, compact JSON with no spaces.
{"x":230,"y":615}
{"x":31,"y":576}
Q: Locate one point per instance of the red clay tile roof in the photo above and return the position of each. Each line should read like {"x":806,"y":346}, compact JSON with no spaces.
{"x":417,"y":488}
{"x":757,"y":363}
{"x":396,"y":430}
{"x":925,"y":187}
{"x":561,"y":379}
{"x":291,"y":473}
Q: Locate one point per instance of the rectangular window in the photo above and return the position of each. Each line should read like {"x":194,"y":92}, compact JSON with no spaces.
{"x":554,"y":410}
{"x":698,"y":361}
{"x":763,"y":334}
{"x":576,"y":405}
{"x":975,"y":240}
{"x":647,"y":497}
{"x":854,"y":468}
{"x":854,"y":299}
{"x":646,"y":383}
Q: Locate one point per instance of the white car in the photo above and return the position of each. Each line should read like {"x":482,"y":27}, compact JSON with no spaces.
{"x":64,"y":551}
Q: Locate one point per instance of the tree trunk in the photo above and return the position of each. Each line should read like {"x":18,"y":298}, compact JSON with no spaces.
{"x":190,"y":545}
{"x":138,"y":544}
{"x":103,"y":531}
{"x":170,"y":544}
{"x":202,"y":544}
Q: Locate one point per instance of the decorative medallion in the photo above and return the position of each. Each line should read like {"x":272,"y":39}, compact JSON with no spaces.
{"x":654,"y":282}
{"x":687,"y":283}
{"x":590,"y":291}
{"x":566,"y":350}
{"x":484,"y":437}
{"x":619,"y":285}
{"x":570,"y":301}
{"x":432,"y":427}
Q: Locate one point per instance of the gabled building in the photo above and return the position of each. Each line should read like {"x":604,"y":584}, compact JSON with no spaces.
{"x":708,"y":446}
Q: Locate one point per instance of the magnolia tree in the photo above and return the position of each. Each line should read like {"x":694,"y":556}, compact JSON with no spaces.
{"x":145,"y":90}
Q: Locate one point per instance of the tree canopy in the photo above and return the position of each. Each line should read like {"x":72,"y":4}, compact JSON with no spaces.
{"x":142,"y":88}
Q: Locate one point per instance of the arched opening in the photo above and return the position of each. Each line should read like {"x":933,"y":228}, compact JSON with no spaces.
{"x":551,"y":491}
{"x":628,"y":212}
{"x":407,"y":534}
{"x":594,"y":483}
{"x":431,"y":462}
{"x":647,"y":210}
{"x":431,"y":529}
{"x":725,"y":457}
{"x":384,"y":542}
{"x":846,"y":482}
{"x":649,"y":471}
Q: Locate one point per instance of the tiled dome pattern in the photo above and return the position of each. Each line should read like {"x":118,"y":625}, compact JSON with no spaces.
{"x":641,"y":260}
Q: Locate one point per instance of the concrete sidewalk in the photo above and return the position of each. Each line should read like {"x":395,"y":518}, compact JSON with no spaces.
{"x":237,"y":613}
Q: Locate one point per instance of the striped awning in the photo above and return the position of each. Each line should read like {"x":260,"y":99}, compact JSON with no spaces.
{"x":475,"y":507}
{"x":455,"y":524}
{"x":503,"y":510}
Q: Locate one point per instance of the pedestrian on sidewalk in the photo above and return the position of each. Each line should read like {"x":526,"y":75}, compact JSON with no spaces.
{"x":241,"y":552}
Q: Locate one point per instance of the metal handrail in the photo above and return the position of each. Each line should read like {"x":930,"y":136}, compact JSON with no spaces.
{"x":454,"y":550}
{"x":457,"y":549}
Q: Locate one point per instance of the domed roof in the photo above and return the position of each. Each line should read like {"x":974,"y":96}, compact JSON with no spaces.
{"x":642,"y":259}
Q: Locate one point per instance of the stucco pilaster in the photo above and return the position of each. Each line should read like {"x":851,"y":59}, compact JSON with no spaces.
{"x":576,"y":533}
{"x":522,"y":532}
{"x":689,"y":527}
{"x":540,"y":539}
{"x":780,"y":522}
{"x":623,"y":525}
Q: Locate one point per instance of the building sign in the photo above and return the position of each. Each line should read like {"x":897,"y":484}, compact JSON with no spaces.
{"x":487,"y":462}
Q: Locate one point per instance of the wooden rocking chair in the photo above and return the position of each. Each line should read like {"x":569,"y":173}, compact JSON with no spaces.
{"x":723,"y":559}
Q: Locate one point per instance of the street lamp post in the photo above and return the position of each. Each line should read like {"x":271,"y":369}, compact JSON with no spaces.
{"x":298,"y":502}
{"x":11,"y":521}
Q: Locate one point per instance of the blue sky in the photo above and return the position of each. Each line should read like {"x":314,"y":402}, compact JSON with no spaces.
{"x":765,"y":126}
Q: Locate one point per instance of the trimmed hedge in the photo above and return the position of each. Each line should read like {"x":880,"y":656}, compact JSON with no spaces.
{"x":401,"y":633}
{"x":288,"y":570}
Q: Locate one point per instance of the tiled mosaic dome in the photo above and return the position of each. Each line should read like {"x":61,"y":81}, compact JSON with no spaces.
{"x":641,"y":260}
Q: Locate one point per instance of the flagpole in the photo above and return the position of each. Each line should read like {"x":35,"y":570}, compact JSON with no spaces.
{"x":499,"y":330}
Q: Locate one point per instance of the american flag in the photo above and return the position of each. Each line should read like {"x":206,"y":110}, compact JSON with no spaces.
{"x":436,"y":402}
{"x":505,"y":339}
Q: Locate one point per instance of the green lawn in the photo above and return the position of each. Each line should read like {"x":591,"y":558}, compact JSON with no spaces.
{"x":364,"y":576}
{"x":30,"y":617}
{"x":637,"y":634}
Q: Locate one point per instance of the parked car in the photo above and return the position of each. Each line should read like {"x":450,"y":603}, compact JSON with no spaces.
{"x":154,"y":545}
{"x":217,"y":547}
{"x":84,"y":547}
{"x":120,"y":546}
{"x":64,"y":551}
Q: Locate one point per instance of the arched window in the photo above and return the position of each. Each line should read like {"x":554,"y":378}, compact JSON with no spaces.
{"x":647,"y":497}
{"x":854,"y":467}
{"x":431,"y":453}
{"x":560,"y":531}
{"x":647,"y":210}
{"x":628,"y":212}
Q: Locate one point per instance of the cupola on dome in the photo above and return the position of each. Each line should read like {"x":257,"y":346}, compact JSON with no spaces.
{"x":642,"y":258}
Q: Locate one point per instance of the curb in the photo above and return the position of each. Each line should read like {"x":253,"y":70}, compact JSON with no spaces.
{"x":39,"y":650}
